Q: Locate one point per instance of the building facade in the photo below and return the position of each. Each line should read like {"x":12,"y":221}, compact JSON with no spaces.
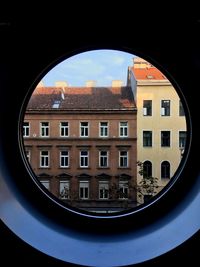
{"x":161,"y":123}
{"x":81,"y":144}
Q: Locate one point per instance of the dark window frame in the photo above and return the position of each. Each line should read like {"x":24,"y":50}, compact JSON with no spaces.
{"x":147,"y":107}
{"x":147,"y":138}
{"x":165,"y":138}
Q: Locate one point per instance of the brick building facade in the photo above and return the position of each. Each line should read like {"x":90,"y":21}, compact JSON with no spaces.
{"x":81,"y":144}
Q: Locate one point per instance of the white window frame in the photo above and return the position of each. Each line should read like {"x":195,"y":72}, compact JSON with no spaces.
{"x":26,"y":129}
{"x":46,"y":129}
{"x":84,"y":128}
{"x":85,"y":158}
{"x":102,"y":157}
{"x":123,"y":128}
{"x":64,"y":128}
{"x":64,"y":187}
{"x":104,"y":189}
{"x":124,"y":186}
{"x":64,"y":158}
{"x":46,"y":184}
{"x":85,"y":193}
{"x":28,"y":155}
{"x":123,"y":157}
{"x":45,"y":158}
{"x":103,"y":129}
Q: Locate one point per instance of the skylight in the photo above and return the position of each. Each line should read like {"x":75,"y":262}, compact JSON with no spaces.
{"x":56,"y":104}
{"x":150,"y":76}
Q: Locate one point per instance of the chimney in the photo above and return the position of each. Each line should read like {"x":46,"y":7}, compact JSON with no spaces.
{"x":140,"y":63}
{"x":40,"y":84}
{"x":90,"y":83}
{"x":117,"y":83}
{"x":61,"y":84}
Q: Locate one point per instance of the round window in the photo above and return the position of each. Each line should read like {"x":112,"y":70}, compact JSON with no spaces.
{"x":104,"y":132}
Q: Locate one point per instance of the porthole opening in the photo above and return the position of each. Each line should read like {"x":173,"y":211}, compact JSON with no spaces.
{"x":104,"y":132}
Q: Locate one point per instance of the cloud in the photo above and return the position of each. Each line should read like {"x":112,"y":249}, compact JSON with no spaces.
{"x":102,"y":66}
{"x":83,"y":65}
{"x":118,"y":60}
{"x":109,"y":78}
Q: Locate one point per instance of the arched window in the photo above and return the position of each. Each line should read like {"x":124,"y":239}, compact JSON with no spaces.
{"x":165,"y":170}
{"x":147,"y":169}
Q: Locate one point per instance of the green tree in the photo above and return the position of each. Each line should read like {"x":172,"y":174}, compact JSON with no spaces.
{"x":147,"y":187}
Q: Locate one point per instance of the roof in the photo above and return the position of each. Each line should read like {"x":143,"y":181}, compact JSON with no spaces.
{"x":82,"y":98}
{"x":148,"y":73}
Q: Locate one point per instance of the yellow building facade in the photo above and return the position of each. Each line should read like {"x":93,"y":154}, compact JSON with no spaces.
{"x":161,"y":124}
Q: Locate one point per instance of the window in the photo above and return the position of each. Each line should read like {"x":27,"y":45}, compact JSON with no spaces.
{"x":84,"y":129}
{"x":123,"y":129}
{"x":165,"y":107}
{"x":147,"y":107}
{"x":165,"y":138}
{"x":64,"y":159}
{"x":103,"y":189}
{"x":64,"y":129}
{"x":103,"y":159}
{"x":64,"y":189}
{"x":84,"y":159}
{"x":44,"y":129}
{"x":165,"y":170}
{"x":28,"y":155}
{"x":123,"y":159}
{"x":56,"y":104}
{"x":84,"y":190}
{"x":44,"y":159}
{"x":123,"y":189}
{"x":45,"y":183}
{"x":103,"y":130}
{"x":182,"y":139}
{"x":181,"y":109}
{"x":147,"y":169}
{"x":26,"y":129}
{"x":147,"y":138}
{"x":150,"y":76}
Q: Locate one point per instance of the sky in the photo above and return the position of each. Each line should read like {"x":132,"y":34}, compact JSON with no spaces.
{"x":102,"y":66}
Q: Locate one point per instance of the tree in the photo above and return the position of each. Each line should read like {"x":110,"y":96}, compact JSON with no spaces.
{"x":148,"y":186}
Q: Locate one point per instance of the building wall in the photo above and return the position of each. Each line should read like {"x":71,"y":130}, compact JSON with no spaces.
{"x":74,"y":143}
{"x":161,"y":90}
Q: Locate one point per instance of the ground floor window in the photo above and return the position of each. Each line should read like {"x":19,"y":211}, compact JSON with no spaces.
{"x":46,"y":184}
{"x":103,"y":189}
{"x":165,"y":170}
{"x":84,"y":190}
{"x":123,"y":189}
{"x":64,"y":189}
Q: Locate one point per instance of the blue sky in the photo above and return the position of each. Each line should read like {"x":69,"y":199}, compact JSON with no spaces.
{"x":102,"y":66}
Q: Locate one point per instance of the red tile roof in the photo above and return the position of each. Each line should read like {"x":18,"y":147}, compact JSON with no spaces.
{"x":149,"y":73}
{"x":81,"y":98}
